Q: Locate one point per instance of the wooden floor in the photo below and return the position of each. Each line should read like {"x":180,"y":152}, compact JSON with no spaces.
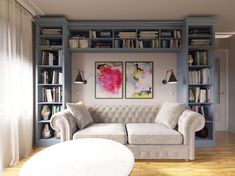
{"x":218,"y":160}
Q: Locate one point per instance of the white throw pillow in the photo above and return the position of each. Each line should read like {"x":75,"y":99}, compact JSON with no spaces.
{"x":80,"y":113}
{"x":169,"y":114}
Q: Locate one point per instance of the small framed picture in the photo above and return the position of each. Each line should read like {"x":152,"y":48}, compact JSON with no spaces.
{"x":108,"y":80}
{"x":139,"y":80}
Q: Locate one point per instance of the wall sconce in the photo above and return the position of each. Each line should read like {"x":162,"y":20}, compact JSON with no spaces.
{"x":80,"y":78}
{"x":172,"y":78}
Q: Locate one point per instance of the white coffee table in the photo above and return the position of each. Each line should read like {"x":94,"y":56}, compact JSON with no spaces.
{"x":81,"y":157}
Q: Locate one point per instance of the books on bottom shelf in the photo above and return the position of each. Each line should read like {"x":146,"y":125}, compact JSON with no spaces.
{"x":148,"y":44}
{"x":52,"y":95}
{"x":201,"y":76}
{"x":199,"y":95}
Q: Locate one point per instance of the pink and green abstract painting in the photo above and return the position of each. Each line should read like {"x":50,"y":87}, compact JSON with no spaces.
{"x":108,"y":79}
{"x":139,"y":80}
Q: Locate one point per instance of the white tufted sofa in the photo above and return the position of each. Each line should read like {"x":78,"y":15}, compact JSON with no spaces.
{"x":135,"y":127}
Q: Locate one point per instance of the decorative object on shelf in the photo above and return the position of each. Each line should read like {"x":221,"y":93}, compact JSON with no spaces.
{"x":191,"y":96}
{"x":190,"y":60}
{"x":108,"y":79}
{"x":172,"y":79}
{"x":139,"y":80}
{"x":80,"y":78}
{"x":45,"y":112}
{"x":46,"y":132}
{"x":203,"y":133}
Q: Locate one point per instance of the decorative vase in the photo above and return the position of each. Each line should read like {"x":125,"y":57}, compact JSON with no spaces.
{"x":190,"y":60}
{"x":45,"y":112}
{"x":46,"y":133}
{"x":191,"y":96}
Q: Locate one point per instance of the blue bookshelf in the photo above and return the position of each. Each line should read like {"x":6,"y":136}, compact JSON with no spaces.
{"x":184,"y":37}
{"x":53,"y":41}
{"x":199,"y":43}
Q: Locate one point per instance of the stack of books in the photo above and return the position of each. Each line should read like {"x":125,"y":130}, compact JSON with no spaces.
{"x":51,"y":31}
{"x":199,"y":109}
{"x":126,"y":35}
{"x":199,"y":42}
{"x":54,"y":77}
{"x":148,"y":34}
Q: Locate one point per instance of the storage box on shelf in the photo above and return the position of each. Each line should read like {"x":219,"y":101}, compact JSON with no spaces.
{"x":50,"y":70}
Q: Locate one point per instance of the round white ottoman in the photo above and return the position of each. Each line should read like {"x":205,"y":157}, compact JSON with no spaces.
{"x":81,"y":157}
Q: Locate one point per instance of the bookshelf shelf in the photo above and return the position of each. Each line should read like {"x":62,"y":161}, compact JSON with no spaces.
{"x":51,"y":47}
{"x":50,"y":103}
{"x":193,"y":103}
{"x":50,"y":66}
{"x":51,"y":36}
{"x":44,"y":121}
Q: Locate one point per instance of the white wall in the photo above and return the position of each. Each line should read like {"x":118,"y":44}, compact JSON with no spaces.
{"x":86,"y":62}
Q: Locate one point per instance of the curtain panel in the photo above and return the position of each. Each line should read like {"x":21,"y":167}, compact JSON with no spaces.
{"x":16,"y":83}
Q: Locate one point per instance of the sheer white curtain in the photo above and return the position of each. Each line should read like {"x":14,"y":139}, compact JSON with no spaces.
{"x":16,"y":83}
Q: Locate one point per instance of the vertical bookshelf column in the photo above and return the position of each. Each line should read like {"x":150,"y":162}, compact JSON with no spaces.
{"x":50,"y":77}
{"x":200,"y":83}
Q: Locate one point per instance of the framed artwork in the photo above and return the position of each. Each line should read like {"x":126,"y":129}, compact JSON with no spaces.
{"x":139,"y":80}
{"x":108,"y":80}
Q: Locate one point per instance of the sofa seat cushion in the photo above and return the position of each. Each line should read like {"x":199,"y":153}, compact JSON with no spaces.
{"x":112,"y":131}
{"x":152,"y":133}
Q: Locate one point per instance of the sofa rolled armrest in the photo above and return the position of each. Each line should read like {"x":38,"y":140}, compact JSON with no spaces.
{"x":65,"y":123}
{"x":190,"y":122}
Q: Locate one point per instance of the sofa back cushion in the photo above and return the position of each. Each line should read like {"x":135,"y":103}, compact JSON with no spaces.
{"x":123,"y":114}
{"x":169,"y":114}
{"x":80,"y":113}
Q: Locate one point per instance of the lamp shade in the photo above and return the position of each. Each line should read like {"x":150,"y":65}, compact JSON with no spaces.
{"x":172,"y":78}
{"x":79,"y":79}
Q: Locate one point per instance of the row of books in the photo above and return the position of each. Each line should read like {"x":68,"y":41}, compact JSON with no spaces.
{"x":51,"y":31}
{"x":78,"y":42}
{"x":199,"y":109}
{"x":102,"y":44}
{"x":199,"y":95}
{"x":48,"y":42}
{"x":199,"y":42}
{"x":100,"y":34}
{"x":52,"y":95}
{"x":171,"y":34}
{"x":201,"y":76}
{"x":51,"y":77}
{"x":171,"y":43}
{"x":51,"y":57}
{"x":199,"y":57}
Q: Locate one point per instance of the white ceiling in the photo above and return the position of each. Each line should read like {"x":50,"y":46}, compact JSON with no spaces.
{"x":224,"y":10}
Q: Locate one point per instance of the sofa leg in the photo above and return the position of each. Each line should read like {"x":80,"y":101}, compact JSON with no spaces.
{"x":186,"y":160}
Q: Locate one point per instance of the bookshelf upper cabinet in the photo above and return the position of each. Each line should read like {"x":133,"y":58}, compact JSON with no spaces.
{"x":125,"y":37}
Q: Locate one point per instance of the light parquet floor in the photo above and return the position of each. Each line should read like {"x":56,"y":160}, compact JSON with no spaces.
{"x":218,"y":160}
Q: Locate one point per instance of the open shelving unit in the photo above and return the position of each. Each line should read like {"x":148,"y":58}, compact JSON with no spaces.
{"x":196,"y":72}
{"x":193,"y":36}
{"x":51,"y":68}
{"x":125,"y":37}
